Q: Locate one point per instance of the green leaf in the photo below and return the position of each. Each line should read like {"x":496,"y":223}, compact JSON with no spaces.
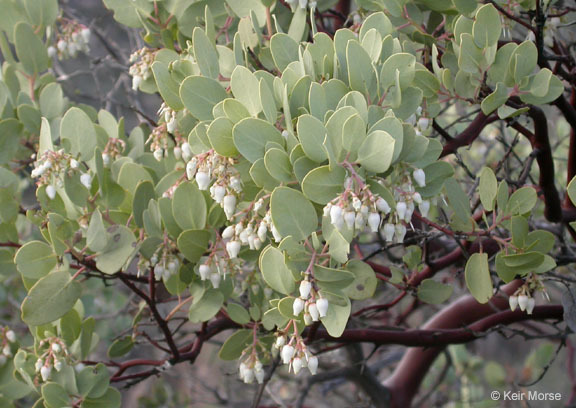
{"x":35,"y":259}
{"x":312,"y":135}
{"x":235,"y":344}
{"x":478,"y":277}
{"x":522,"y":201}
{"x":458,"y":199}
{"x":111,"y":399}
{"x":237,"y":313}
{"x":292,"y":213}
{"x":205,"y":54}
{"x":275,"y":272}
{"x":96,"y":234}
{"x":375,"y":153}
{"x":433,"y":292}
{"x":471,"y":57}
{"x":142,"y":195}
{"x":488,"y":188}
{"x":50,"y":298}
{"x":243,"y":84}
{"x":322,"y":184}
{"x":251,"y":136}
{"x":189,"y":206}
{"x":336,"y":318}
{"x":167,"y":86}
{"x":487,"y":26}
{"x":193,"y":244}
{"x":77,"y":131}
{"x":120,"y":347}
{"x":55,"y":396}
{"x":495,"y":99}
{"x":405,"y":64}
{"x":365,"y":281}
{"x":278,"y":164}
{"x":353,"y":133}
{"x":119,"y":248}
{"x":284,"y":50}
{"x":200,"y":94}
{"x":206,"y":307}
{"x":93,"y":381}
{"x":361,"y":73}
{"x":30,"y":50}
{"x":523,"y":61}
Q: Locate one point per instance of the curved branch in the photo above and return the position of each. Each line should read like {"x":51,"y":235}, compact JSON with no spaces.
{"x":469,"y":134}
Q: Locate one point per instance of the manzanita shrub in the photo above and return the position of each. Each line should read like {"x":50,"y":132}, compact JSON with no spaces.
{"x":297,"y":143}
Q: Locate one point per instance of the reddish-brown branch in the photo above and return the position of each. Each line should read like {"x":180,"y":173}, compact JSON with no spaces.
{"x":469,"y":134}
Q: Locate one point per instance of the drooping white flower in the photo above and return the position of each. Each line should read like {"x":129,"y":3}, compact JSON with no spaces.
{"x":58,"y":365}
{"x":158,"y":154}
{"x":233,"y":248}
{"x":229,"y":204}
{"x":522,"y":302}
{"x":280,"y":341}
{"x":236,"y":184}
{"x":85,"y":34}
{"x":313,"y":310}
{"x":285,"y":134}
{"x":513,"y":302}
{"x":257,"y":243}
{"x":322,"y":305}
{"x":171,"y":125}
{"x":248,"y":376}
{"x":177,"y":152}
{"x":215,"y":278}
{"x":297,"y":306}
{"x":374,"y":221}
{"x":389,"y":231}
{"x":203,"y":180}
{"x":336,"y":217}
{"x":382,"y":205}
{"x":262,"y":230}
{"x":275,"y":233}
{"x":305,"y":288}
{"x":360,"y":221}
{"x":259,"y":374}
{"x":356,"y":203}
{"x":424,"y":207}
{"x":349,"y":218}
{"x":401,"y":209}
{"x":204,"y":271}
{"x":297,"y":365}
{"x":417,"y":198}
{"x":105,"y":159}
{"x":6,"y":351}
{"x":325,"y":210}
{"x":45,"y":372}
{"x":313,"y":364}
{"x":186,"y":151}
{"x":56,"y":348}
{"x":409,"y":211}
{"x":400,"y":233}
{"x":228,"y":232}
{"x":136,"y":81}
{"x":86,"y":180}
{"x":423,"y":123}
{"x":52,"y":51}
{"x":51,"y":192}
{"x":307,"y":319}
{"x":62,"y":45}
{"x":420,"y":177}
{"x":11,"y":336}
{"x":530,"y":305}
{"x":38,"y":365}
{"x":287,"y":353}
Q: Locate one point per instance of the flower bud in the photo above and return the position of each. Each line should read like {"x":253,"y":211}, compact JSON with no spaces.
{"x":74,"y":163}
{"x":203,"y":180}
{"x":513,"y":302}
{"x":136,"y":81}
{"x":186,"y":151}
{"x":62,"y":45}
{"x":215,"y":278}
{"x":86,"y":180}
{"x":6,"y":351}
{"x":322,"y":305}
{"x":105,"y":159}
{"x":158,"y":154}
{"x":287,"y":353}
{"x":45,"y":372}
{"x":424,"y":208}
{"x":56,"y":348}
{"x":313,"y":310}
{"x":307,"y":319}
{"x":305,"y":288}
{"x":233,"y":248}
{"x":417,"y":198}
{"x":236,"y":184}
{"x":218,"y":193}
{"x":356,"y":203}
{"x":229,"y":204}
{"x":297,"y":306}
{"x":382,"y":205}
{"x":52,"y":51}
{"x":313,"y":364}
{"x":530,"y":305}
{"x":10,"y":336}
{"x":423,"y":123}
{"x":523,"y":302}
{"x":420,"y":177}
{"x":374,"y":221}
{"x":177,"y":152}
{"x":38,"y":365}
{"x":389,"y":231}
{"x":58,"y":365}
{"x":280,"y":341}
{"x":171,"y":125}
{"x":51,"y":192}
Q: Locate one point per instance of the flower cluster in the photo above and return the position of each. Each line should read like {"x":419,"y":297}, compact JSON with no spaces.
{"x":524,"y":295}
{"x":141,"y":68}
{"x":51,"y":168}
{"x":251,"y":369}
{"x":8,"y":336}
{"x":216,"y":267}
{"x":53,"y":357}
{"x":114,"y":147}
{"x":524,"y":300}
{"x":72,"y":38}
{"x":295,"y":354}
{"x":211,"y":170}
{"x":165,"y":264}
{"x":309,"y":302}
